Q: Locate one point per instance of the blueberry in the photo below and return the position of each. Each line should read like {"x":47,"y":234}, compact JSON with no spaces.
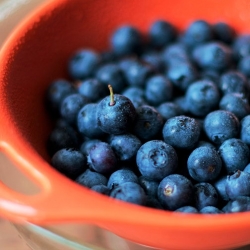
{"x":205,"y":195}
{"x":182,"y":74}
{"x":87,"y":145}
{"x":247,"y":168}
{"x":223,"y":32}
{"x":187,"y":209}
{"x":238,"y":184}
{"x":70,"y":162}
{"x":102,"y":158}
{"x":175,"y":191}
{"x":233,"y":81}
{"x":100,"y":188}
{"x":154,"y":59}
{"x":126,"y":40}
{"x":91,"y":178}
{"x":198,"y":32}
{"x":93,"y":89}
{"x":220,"y":186}
{"x":236,"y":104}
{"x":156,"y":159}
{"x":55,"y":94}
{"x":148,"y":123}
{"x":241,"y":46}
{"x":153,"y":202}
{"x":239,"y":204}
{"x":168,"y":110}
{"x":125,"y":146}
{"x":115,"y":114}
{"x":245,"y":130}
{"x":204,"y":164}
{"x":158,"y":89}
{"x":87,"y":122}
{"x":111,"y":74}
{"x":210,"y":210}
{"x":202,"y":97}
{"x":210,"y":74}
{"x":83,"y":64}
{"x":213,"y":55}
{"x":182,"y":103}
{"x":181,"y":131}
{"x":244,"y":65}
{"x":205,"y":144}
{"x":234,"y":154}
{"x":150,"y":186}
{"x":129,"y":192}
{"x":121,"y":176}
{"x":136,"y":95}
{"x":221,"y":125}
{"x":71,"y":105}
{"x":161,"y":33}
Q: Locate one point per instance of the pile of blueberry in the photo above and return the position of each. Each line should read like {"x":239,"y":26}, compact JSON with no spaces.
{"x":160,"y":119}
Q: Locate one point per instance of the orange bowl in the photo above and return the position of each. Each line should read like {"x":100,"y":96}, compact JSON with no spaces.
{"x":36,"y":54}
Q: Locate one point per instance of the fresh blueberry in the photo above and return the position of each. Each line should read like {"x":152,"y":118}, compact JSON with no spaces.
{"x":121,"y":176}
{"x":202,"y":97}
{"x":156,"y":159}
{"x":247,"y":168}
{"x":102,"y":158}
{"x":71,"y":105}
{"x":235,"y":103}
{"x":136,"y":95}
{"x":244,"y":65}
{"x":239,"y":204}
{"x":187,"y":209}
{"x":204,"y":164}
{"x":125,"y":146}
{"x":126,"y":40}
{"x":202,"y":143}
{"x":91,"y":178}
{"x":161,"y":33}
{"x":234,"y":154}
{"x":115,"y":114}
{"x":70,"y":162}
{"x":220,"y":186}
{"x":205,"y":195}
{"x":100,"y":188}
{"x":56,"y":92}
{"x":213,"y":55}
{"x":182,"y":103}
{"x":111,"y":74}
{"x":245,"y":130}
{"x":175,"y":191}
{"x":87,"y":122}
{"x":223,"y":32}
{"x":168,"y":110}
{"x":153,"y":202}
{"x":238,"y":184}
{"x":83,"y":64}
{"x":210,"y":74}
{"x":129,"y":192}
{"x":181,"y":131}
{"x":221,"y":125}
{"x":150,"y":186}
{"x":158,"y":89}
{"x":241,"y":46}
{"x":87,"y":145}
{"x":93,"y":89}
{"x":148,"y":123}
{"x":154,"y":59}
{"x":107,"y":56}
{"x":210,"y":210}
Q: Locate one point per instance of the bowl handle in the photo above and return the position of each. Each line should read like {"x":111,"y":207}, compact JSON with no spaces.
{"x":57,"y":201}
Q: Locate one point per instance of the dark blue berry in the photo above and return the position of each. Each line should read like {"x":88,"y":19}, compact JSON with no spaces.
{"x":168,"y":110}
{"x":221,"y":125}
{"x":87,"y":145}
{"x":187,"y":209}
{"x":244,"y":65}
{"x":154,"y":59}
{"x":150,"y":186}
{"x":102,"y":189}
{"x":210,"y":210}
{"x":245,"y":130}
{"x":220,"y":186}
{"x":223,"y":32}
{"x":247,"y":168}
{"x":239,"y":204}
{"x":241,"y":46}
{"x":175,"y":191}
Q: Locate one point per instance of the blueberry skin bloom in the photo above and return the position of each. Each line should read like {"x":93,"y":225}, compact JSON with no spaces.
{"x":129,"y":192}
{"x":181,"y":131}
{"x":156,"y":159}
{"x":187,"y":209}
{"x":102,"y":158}
{"x":202,"y":97}
{"x":175,"y":191}
{"x":221,"y":125}
{"x":234,"y":154}
{"x":238,"y":184}
{"x":125,"y":40}
{"x":245,"y":130}
{"x":205,"y":195}
{"x":83,"y":64}
{"x":158,"y":89}
{"x":235,"y":103}
{"x":239,"y":204}
{"x":117,"y":118}
{"x":210,"y":210}
{"x":69,"y":162}
{"x":204,"y":164}
{"x":125,"y":146}
{"x":220,"y":186}
{"x":168,"y":110}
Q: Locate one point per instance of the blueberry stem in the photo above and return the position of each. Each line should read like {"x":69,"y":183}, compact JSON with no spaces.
{"x":112,"y":101}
